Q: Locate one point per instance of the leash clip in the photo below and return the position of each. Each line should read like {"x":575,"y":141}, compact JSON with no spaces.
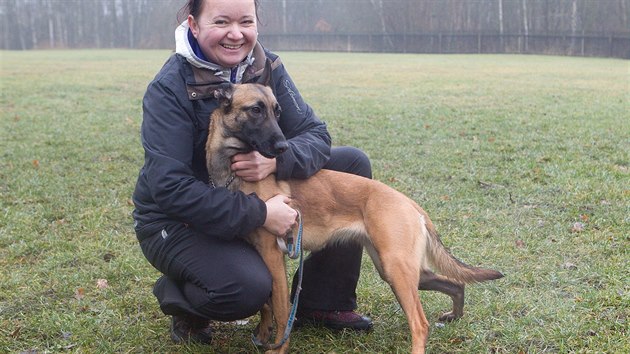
{"x":288,"y":244}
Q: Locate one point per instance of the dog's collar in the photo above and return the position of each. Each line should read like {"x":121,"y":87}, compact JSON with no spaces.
{"x":227,"y":184}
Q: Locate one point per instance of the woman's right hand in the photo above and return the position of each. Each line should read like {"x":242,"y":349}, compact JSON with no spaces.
{"x":280,"y":216}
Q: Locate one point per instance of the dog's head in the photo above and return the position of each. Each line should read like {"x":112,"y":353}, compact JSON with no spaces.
{"x":250,"y":114}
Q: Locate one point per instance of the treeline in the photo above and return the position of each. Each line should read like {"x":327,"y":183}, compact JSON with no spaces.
{"x":35,"y":24}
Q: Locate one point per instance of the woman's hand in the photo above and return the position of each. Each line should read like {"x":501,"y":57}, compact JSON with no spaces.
{"x":280,"y":216}
{"x":253,"y":167}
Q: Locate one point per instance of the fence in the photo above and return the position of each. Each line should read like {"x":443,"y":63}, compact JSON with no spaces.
{"x":614,"y":45}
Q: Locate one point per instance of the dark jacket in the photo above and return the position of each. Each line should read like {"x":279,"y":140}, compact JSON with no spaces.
{"x":173,"y":183}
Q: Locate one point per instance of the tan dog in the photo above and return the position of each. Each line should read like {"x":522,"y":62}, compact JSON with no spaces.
{"x":398,"y":234}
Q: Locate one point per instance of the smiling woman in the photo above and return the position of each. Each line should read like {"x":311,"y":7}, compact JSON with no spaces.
{"x":193,"y":232}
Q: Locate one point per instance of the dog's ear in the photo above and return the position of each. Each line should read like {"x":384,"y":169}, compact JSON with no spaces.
{"x":223,"y":93}
{"x":265,"y":77}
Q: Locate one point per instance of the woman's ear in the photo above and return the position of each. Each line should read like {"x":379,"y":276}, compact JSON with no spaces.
{"x":194,"y":27}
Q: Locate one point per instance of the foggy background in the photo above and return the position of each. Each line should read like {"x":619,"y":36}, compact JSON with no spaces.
{"x":564,"y":27}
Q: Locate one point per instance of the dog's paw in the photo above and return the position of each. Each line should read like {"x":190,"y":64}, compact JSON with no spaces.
{"x":282,"y":350}
{"x":449,"y":317}
{"x":263,"y":333}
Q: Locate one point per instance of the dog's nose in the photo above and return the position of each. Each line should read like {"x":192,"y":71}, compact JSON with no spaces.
{"x":280,"y":146}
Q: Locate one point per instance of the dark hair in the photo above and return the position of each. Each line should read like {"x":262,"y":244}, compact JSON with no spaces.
{"x":193,"y":7}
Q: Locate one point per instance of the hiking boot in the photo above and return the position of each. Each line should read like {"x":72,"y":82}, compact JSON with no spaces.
{"x":190,"y":330}
{"x":336,"y":320}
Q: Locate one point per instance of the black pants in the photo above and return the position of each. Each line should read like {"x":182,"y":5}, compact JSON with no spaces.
{"x":227,"y":280}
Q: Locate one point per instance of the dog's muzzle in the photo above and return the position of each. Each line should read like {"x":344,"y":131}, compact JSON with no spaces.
{"x":280,"y":146}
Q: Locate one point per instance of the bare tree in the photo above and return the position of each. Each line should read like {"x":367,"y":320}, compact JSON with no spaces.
{"x":525,"y":25}
{"x":378,"y":8}
{"x":500,"y":3}
{"x":574,"y":25}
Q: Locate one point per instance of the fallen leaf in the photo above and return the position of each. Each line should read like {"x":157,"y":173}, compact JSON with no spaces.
{"x":569,"y":265}
{"x":457,"y":340}
{"x":16,"y":332}
{"x":102,"y":283}
{"x":483,"y":184}
{"x":584,"y":217}
{"x":577,"y":227}
{"x":445,"y":197}
{"x":520,"y":244}
{"x":79,"y":293}
{"x":107,"y":257}
{"x":59,"y":222}
{"x":36,"y":163}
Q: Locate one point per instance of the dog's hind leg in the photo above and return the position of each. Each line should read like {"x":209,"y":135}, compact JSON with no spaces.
{"x":432,"y":281}
{"x":402,"y":274}
{"x":402,"y":277}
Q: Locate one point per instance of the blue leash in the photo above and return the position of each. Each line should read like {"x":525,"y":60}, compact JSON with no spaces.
{"x":293,"y":251}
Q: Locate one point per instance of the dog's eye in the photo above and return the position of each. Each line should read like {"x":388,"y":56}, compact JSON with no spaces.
{"x":256,"y":110}
{"x":277,"y":111}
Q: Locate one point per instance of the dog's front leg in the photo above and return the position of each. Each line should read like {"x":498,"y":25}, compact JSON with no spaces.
{"x":264,"y":330}
{"x":274,"y":260}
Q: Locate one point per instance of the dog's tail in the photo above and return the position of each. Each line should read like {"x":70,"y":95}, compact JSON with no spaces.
{"x":451,"y":267}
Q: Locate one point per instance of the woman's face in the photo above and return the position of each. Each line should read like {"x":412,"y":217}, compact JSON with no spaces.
{"x":226,"y":30}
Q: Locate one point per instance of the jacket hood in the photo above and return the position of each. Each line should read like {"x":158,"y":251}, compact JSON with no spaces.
{"x":184,"y":48}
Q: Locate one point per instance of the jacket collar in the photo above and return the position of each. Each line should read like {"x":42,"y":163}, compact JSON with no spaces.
{"x":203,"y":81}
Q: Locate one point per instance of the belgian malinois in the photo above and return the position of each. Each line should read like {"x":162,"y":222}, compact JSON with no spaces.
{"x":397,"y":233}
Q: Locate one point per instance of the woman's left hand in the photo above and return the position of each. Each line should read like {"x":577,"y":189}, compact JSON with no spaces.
{"x":253,"y":167}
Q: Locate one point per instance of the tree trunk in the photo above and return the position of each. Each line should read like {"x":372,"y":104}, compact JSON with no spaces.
{"x":378,"y":6}
{"x":501,"y":39}
{"x":525,"y":26}
{"x":51,"y":25}
{"x":574,"y":26}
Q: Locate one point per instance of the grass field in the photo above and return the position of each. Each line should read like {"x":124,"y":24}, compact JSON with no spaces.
{"x":523,"y":162}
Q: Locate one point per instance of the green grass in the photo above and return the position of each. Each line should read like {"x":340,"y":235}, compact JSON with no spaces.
{"x":506,"y":153}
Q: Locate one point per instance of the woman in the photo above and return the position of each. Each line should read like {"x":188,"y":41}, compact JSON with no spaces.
{"x":191,"y":232}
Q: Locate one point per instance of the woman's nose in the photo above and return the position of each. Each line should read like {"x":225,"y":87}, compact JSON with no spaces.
{"x":235,"y":32}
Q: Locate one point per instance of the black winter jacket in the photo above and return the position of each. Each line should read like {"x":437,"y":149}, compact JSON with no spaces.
{"x":173,"y":183}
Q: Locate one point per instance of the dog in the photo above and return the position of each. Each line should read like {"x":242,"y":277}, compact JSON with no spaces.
{"x":397,"y":233}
